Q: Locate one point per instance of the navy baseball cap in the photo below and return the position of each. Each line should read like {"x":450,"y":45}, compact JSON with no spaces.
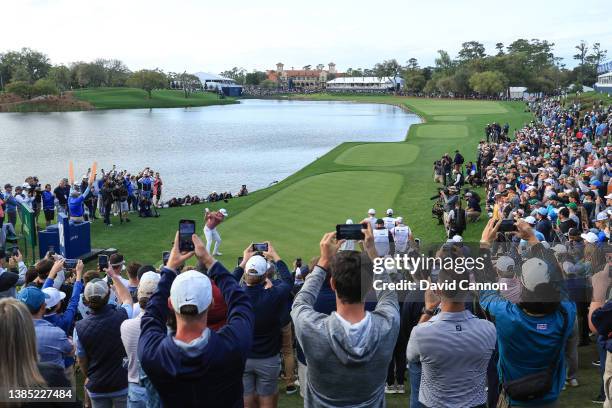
{"x":32,"y":297}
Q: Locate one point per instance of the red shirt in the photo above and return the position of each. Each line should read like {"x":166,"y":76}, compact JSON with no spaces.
{"x":213,"y":219}
{"x":217,"y":315}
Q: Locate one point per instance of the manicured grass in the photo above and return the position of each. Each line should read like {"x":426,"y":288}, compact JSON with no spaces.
{"x":443,"y":132}
{"x":379,"y":154}
{"x":130,"y":98}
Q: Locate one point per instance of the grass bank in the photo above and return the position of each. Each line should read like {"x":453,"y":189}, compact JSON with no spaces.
{"x":133,"y":98}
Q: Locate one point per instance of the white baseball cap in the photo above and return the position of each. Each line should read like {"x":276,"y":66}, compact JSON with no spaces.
{"x":256,"y":265}
{"x":191,"y":288}
{"x":549,"y":181}
{"x":530,"y":188}
{"x":504,"y":263}
{"x":560,"y":249}
{"x":223,"y":211}
{"x":530,"y":220}
{"x":55,"y":296}
{"x":400,"y":220}
{"x":457,"y":238}
{"x":608,"y":197}
{"x":601,"y":216}
{"x":371,"y":211}
{"x":590,"y":237}
{"x":95,"y":288}
{"x":390,"y":211}
{"x":534,"y":273}
{"x":148,"y":284}
{"x":569,"y":267}
{"x":349,"y":221}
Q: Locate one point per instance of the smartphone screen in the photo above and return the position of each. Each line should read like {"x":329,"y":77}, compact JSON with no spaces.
{"x":240,"y":259}
{"x":70,"y":263}
{"x":103,"y":261}
{"x":261,"y":247}
{"x":186,"y":230}
{"x":165,"y":256}
{"x":349,"y":231}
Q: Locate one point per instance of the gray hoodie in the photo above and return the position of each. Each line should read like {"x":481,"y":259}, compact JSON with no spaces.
{"x":347,"y":364}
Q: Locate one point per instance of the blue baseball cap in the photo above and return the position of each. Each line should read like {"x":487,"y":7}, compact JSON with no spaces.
{"x":596,"y":183}
{"x":542,"y":211}
{"x":32,"y":297}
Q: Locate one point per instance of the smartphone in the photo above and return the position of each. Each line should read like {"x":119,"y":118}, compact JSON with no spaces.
{"x":261,"y":247}
{"x":70,"y":263}
{"x":51,"y":250}
{"x":349,"y":231}
{"x":186,"y":230}
{"x":240,"y":259}
{"x":165,"y":256}
{"x":102,"y":262}
{"x":507,"y":226}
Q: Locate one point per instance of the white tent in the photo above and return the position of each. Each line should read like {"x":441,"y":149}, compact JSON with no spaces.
{"x":517,"y":92}
{"x":362,"y":83}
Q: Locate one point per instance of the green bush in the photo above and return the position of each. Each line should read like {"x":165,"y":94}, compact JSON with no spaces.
{"x":44,"y":87}
{"x":20,"y":88}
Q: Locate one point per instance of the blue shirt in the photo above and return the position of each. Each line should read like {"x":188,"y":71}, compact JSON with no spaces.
{"x":528,"y":343}
{"x":52,"y":343}
{"x":75,"y":204}
{"x":48,"y":200}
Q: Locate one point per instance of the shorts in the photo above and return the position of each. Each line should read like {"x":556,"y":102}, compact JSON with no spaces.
{"x":124,"y":206}
{"x":261,"y":376}
{"x":49,"y":215}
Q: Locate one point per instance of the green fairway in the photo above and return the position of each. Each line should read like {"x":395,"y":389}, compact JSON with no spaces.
{"x":379,"y":154}
{"x":449,"y":118}
{"x":444,"y":132}
{"x":129,"y":98}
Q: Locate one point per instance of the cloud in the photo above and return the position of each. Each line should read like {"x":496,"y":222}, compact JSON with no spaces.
{"x":212,"y":36}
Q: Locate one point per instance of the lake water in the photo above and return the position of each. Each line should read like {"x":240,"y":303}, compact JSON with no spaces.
{"x":196,"y":150}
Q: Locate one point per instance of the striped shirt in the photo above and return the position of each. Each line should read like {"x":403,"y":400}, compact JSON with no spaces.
{"x":454,"y":350}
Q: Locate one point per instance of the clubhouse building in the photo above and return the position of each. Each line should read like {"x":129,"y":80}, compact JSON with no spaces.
{"x":303,"y":78}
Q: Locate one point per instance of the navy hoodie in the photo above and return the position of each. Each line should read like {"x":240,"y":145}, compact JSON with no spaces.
{"x":206,"y":376}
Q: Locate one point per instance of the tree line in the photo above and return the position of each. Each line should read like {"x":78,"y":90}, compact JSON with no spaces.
{"x":530,"y":63}
{"x":29,"y":73}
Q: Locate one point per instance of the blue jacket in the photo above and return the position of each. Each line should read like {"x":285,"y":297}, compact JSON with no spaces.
{"x":75,"y":204}
{"x":11,"y":203}
{"x":207,"y":375}
{"x":48,"y":200}
{"x":268,"y":305}
{"x":65,"y":320}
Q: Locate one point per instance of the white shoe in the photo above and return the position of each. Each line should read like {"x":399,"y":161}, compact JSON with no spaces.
{"x":218,"y":254}
{"x":572,"y":382}
{"x":400,"y":389}
{"x":390,"y":389}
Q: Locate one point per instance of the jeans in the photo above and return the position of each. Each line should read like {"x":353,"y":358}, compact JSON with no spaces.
{"x":110,"y":402}
{"x":414,"y":370}
{"x":137,"y":396}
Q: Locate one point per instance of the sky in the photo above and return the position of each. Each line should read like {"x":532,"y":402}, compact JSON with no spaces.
{"x":212,"y":36}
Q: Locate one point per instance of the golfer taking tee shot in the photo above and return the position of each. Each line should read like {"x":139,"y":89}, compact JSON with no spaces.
{"x":211,"y":220}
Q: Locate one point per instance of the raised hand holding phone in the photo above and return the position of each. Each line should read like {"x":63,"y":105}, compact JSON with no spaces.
{"x":178,"y":257}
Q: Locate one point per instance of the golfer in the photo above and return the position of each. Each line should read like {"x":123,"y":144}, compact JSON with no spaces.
{"x":211,"y":220}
